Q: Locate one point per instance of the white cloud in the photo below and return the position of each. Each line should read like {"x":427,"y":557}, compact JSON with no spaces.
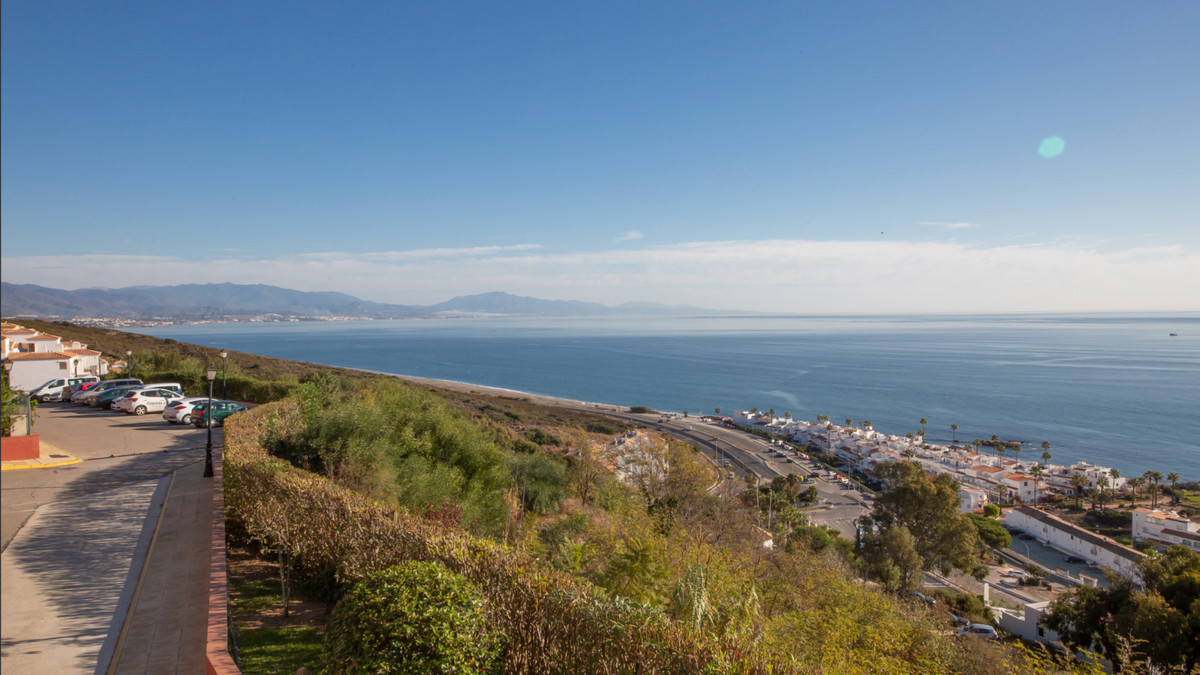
{"x":776,"y":275}
{"x":947,"y":226}
{"x":631,"y":235}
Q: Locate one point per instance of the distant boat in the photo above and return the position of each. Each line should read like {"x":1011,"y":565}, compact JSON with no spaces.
{"x":1173,"y":334}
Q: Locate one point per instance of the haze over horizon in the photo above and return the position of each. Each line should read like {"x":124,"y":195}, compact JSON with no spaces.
{"x":942,"y":157}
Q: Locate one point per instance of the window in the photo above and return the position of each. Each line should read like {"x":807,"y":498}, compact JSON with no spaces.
{"x":62,"y":365}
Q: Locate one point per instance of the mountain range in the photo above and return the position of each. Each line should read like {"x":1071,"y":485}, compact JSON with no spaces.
{"x":242,"y":301}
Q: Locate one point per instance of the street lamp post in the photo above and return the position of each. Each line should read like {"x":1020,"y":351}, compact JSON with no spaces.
{"x":211,"y":374}
{"x":129,"y":362}
{"x":224,"y":382}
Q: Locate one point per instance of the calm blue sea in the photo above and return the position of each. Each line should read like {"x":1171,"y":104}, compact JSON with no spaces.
{"x":1112,"y":390}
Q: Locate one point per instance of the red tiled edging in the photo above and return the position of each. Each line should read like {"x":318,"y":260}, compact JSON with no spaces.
{"x":218,"y":660}
{"x":19,"y":447}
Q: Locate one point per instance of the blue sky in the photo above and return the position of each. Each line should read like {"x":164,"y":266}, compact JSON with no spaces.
{"x":854,"y":157}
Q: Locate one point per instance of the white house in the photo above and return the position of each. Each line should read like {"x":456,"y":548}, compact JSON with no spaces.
{"x":1166,"y":527}
{"x":1074,"y":540}
{"x":971,"y":499}
{"x":1019,"y":485}
{"x":40,"y":357}
{"x":1025,"y":624}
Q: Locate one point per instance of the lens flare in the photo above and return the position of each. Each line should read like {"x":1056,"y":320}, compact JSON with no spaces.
{"x":1052,"y":147}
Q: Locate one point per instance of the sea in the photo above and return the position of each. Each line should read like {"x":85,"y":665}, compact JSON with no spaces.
{"x":1119,"y":390}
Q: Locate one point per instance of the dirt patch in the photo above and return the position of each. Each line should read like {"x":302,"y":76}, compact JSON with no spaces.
{"x":256,"y":596}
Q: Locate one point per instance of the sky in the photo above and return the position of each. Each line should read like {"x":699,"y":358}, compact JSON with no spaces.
{"x":867,"y":157}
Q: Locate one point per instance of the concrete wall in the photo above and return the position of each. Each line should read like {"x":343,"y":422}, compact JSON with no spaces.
{"x":26,"y":375}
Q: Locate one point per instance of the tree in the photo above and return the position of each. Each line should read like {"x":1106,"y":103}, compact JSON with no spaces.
{"x":1017,"y":451}
{"x":771,"y":412}
{"x":1037,"y":479}
{"x":954,"y":433}
{"x":924,"y":423}
{"x":890,"y":556}
{"x":1174,"y":478}
{"x":849,"y":422}
{"x":929,"y":510}
{"x":787,"y":415}
{"x":990,"y":532}
{"x":1156,"y":477}
{"x":1160,"y":624}
{"x":1045,"y":452}
{"x":1078,"y":481}
{"x":1102,"y":484}
{"x":1135,"y":483}
{"x":717,"y":411}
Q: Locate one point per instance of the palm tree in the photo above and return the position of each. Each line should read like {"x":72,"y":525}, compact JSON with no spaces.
{"x":771,"y":412}
{"x":954,"y":433}
{"x":909,"y":453}
{"x":1017,"y":451}
{"x":787,"y":415}
{"x":1156,"y":477}
{"x":999,"y":450}
{"x":1078,"y":480}
{"x":1037,"y":478}
{"x":1102,"y":483}
{"x":754,"y":410}
{"x":849,"y":422}
{"x":1001,"y":490}
{"x":1174,"y":478}
{"x":923,"y":423}
{"x":1045,"y":452}
{"x":1135,"y":483}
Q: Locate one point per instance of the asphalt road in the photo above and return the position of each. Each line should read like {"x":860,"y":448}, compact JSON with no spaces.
{"x":117,"y":450}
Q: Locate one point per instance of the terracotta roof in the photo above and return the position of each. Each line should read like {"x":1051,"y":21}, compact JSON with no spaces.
{"x":80,"y":352}
{"x":45,"y":336}
{"x":20,"y":331}
{"x":38,"y":356}
{"x":1017,"y":476}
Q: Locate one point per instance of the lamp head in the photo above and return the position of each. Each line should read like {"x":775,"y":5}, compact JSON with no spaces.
{"x":224,"y":355}
{"x":210,"y":373}
{"x":8,"y":365}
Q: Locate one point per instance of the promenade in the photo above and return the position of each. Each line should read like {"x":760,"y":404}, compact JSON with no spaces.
{"x":105,"y":565}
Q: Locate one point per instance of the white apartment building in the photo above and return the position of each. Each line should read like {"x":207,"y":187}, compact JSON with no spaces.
{"x":1074,"y":540}
{"x":1165,"y":527}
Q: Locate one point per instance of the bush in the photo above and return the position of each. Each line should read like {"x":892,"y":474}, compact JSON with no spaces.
{"x":417,"y":617}
{"x":991,"y":511}
{"x":602,"y":428}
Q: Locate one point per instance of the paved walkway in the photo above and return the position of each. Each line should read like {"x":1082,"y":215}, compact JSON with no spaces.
{"x":109,"y":570}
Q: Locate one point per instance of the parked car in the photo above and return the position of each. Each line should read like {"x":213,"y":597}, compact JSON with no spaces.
{"x":1026,"y":536}
{"x":52,"y":390}
{"x":1076,"y":559}
{"x":88,"y":397}
{"x":69,"y":392}
{"x":179,"y":411}
{"x":982,"y":630}
{"x":171,"y":386}
{"x":106,"y":398}
{"x":202,"y":415}
{"x":148,"y":399}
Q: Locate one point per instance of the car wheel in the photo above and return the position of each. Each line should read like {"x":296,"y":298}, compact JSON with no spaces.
{"x":140,"y":410}
{"x":187,"y":419}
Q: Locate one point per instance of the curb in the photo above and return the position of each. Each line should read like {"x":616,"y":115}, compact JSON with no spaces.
{"x":53,"y":457}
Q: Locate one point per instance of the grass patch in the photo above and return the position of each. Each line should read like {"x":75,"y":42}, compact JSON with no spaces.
{"x":279,"y":650}
{"x":268,"y":642}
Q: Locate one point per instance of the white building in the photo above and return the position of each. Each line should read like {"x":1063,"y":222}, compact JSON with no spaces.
{"x":1165,"y":527}
{"x":40,"y":357}
{"x":971,"y":499}
{"x":1074,"y":540}
{"x":1024,"y":624}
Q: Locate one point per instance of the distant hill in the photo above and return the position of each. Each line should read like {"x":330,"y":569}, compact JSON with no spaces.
{"x":190,"y":301}
{"x":240,"y":301}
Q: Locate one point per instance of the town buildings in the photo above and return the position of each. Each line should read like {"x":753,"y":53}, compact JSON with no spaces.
{"x":1165,"y":527}
{"x":40,"y":357}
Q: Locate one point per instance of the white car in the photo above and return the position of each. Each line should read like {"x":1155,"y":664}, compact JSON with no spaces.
{"x":179,"y":411}
{"x":142,"y":401}
{"x":982,"y":630}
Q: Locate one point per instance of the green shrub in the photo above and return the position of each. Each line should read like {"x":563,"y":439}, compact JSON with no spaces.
{"x":990,"y":532}
{"x":602,"y":428}
{"x":417,"y":617}
{"x":991,"y":511}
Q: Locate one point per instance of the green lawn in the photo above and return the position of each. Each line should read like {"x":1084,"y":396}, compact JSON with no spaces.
{"x":269,"y":650}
